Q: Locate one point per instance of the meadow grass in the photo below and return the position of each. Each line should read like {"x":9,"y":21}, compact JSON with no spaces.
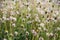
{"x":29,"y":20}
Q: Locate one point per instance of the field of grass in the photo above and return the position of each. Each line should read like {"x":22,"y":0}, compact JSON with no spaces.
{"x":29,"y":20}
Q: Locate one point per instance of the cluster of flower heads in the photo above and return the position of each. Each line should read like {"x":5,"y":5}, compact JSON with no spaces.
{"x":30,"y":19}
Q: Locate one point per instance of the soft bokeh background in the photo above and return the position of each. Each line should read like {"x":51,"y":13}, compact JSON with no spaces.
{"x":29,"y":19}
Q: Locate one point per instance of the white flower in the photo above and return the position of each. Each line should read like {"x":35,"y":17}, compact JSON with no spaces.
{"x":56,"y":12}
{"x":45,"y":29}
{"x":17,"y":12}
{"x":23,"y":19}
{"x":38,"y":9}
{"x":51,"y":34}
{"x":52,"y":18}
{"x":7,"y":18}
{"x":46,"y":21}
{"x":4,"y":17}
{"x":29,"y":22}
{"x":29,"y":8}
{"x":12,"y":13}
{"x":39,"y":28}
{"x":21,"y":5}
{"x":37,"y":1}
{"x":14,"y":24}
{"x":16,"y":32}
{"x":27,"y":32}
{"x":6,"y":31}
{"x":54,"y":15}
{"x":34,"y":32}
{"x":28,"y":16}
{"x":58,"y":28}
{"x":47,"y":34}
{"x":42,"y":12}
{"x":37,"y":19}
{"x":12,"y":18}
{"x":41,"y":38}
{"x":11,"y":34}
{"x":42,"y":24}
{"x":4,"y":39}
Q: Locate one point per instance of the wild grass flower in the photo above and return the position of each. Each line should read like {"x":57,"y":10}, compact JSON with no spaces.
{"x":14,"y":25}
{"x":28,"y":16}
{"x":27,"y":33}
{"x":42,"y":24}
{"x":12,"y":18}
{"x":58,"y":28}
{"x":29,"y":20}
{"x":49,"y":34}
{"x":34,"y":32}
{"x":37,"y":1}
{"x":16,"y":33}
{"x":41,"y":38}
{"x":4,"y":39}
{"x":29,"y":8}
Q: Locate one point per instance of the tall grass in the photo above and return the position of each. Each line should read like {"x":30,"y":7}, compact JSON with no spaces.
{"x":29,"y":20}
